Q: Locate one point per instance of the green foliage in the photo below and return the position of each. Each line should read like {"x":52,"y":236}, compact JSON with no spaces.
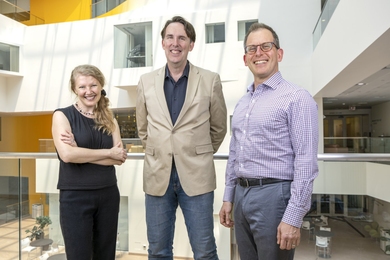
{"x":37,"y":230}
{"x":374,"y":225}
{"x":367,"y":228}
{"x":374,"y":233}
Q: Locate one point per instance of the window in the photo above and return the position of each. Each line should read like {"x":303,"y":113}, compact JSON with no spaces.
{"x":243,"y":27}
{"x":133,"y":45}
{"x":215,"y":33}
{"x":100,"y":7}
{"x":9,"y":57}
{"x":127,"y":122}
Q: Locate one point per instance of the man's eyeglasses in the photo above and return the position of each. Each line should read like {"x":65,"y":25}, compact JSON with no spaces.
{"x":266,"y":46}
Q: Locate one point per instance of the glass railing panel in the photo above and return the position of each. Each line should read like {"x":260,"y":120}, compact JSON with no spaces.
{"x":350,"y":197}
{"x":12,"y":208}
{"x":323,"y":20}
{"x":13,"y":11}
{"x":380,"y":144}
{"x":37,"y":209}
{"x":357,"y":144}
{"x":347,"y":145}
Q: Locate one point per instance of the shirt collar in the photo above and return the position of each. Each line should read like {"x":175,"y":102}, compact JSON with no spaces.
{"x":272,"y":82}
{"x":185,"y":72}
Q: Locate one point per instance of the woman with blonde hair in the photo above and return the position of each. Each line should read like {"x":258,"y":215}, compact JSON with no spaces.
{"x":88,"y":143}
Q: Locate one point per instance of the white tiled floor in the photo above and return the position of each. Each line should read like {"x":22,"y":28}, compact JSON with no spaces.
{"x":347,"y":243}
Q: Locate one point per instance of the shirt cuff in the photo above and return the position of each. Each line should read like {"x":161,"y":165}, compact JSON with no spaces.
{"x":229,"y":194}
{"x":294,"y":216}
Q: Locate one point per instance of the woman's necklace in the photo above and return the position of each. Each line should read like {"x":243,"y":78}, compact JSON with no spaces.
{"x":82,"y":112}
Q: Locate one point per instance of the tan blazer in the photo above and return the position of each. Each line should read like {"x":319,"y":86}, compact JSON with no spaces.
{"x":199,"y":131}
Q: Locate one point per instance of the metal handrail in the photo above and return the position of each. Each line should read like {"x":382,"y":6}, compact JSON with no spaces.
{"x":353,"y":157}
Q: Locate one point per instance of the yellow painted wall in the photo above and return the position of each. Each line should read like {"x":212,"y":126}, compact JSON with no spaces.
{"x":22,"y":133}
{"x":57,"y":11}
{"x":7,"y":134}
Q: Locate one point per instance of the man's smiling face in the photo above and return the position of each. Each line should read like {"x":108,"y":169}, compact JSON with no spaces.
{"x":176,"y":44}
{"x":262,"y":64}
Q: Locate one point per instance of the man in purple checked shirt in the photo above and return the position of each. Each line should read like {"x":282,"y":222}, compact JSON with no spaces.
{"x":273,"y":155}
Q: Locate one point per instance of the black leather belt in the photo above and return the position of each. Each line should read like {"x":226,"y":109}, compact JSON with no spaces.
{"x":244,"y":182}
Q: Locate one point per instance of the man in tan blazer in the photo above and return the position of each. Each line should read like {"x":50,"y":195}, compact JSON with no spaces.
{"x":181,"y":120}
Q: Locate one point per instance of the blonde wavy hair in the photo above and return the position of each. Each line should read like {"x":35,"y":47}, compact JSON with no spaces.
{"x":104,"y":118}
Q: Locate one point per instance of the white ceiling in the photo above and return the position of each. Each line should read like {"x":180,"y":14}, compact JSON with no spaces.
{"x":369,"y":92}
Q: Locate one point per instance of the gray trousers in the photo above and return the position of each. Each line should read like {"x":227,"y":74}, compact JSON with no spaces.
{"x":258,"y":211}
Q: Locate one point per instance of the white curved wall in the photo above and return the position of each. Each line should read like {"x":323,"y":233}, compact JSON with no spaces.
{"x":353,"y":46}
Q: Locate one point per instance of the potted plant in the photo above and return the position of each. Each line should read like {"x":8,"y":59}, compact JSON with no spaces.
{"x":37,"y":231}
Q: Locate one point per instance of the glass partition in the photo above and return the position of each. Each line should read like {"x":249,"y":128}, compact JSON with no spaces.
{"x":19,"y":11}
{"x":16,"y":201}
{"x":22,"y":202}
{"x":350,"y":200}
{"x":380,"y":144}
{"x":357,"y":144}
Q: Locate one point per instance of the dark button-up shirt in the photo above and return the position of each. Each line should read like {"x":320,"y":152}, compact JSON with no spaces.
{"x":175,"y":92}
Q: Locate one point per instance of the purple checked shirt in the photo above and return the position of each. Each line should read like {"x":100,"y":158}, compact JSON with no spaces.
{"x":275,"y":135}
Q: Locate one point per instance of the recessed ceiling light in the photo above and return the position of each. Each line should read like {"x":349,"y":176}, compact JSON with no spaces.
{"x":361,"y":84}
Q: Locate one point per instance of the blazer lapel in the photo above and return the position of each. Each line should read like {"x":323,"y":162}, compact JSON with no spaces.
{"x":192,"y":86}
{"x":159,"y":87}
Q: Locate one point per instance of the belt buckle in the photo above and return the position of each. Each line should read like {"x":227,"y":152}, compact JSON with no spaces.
{"x":247,"y":183}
